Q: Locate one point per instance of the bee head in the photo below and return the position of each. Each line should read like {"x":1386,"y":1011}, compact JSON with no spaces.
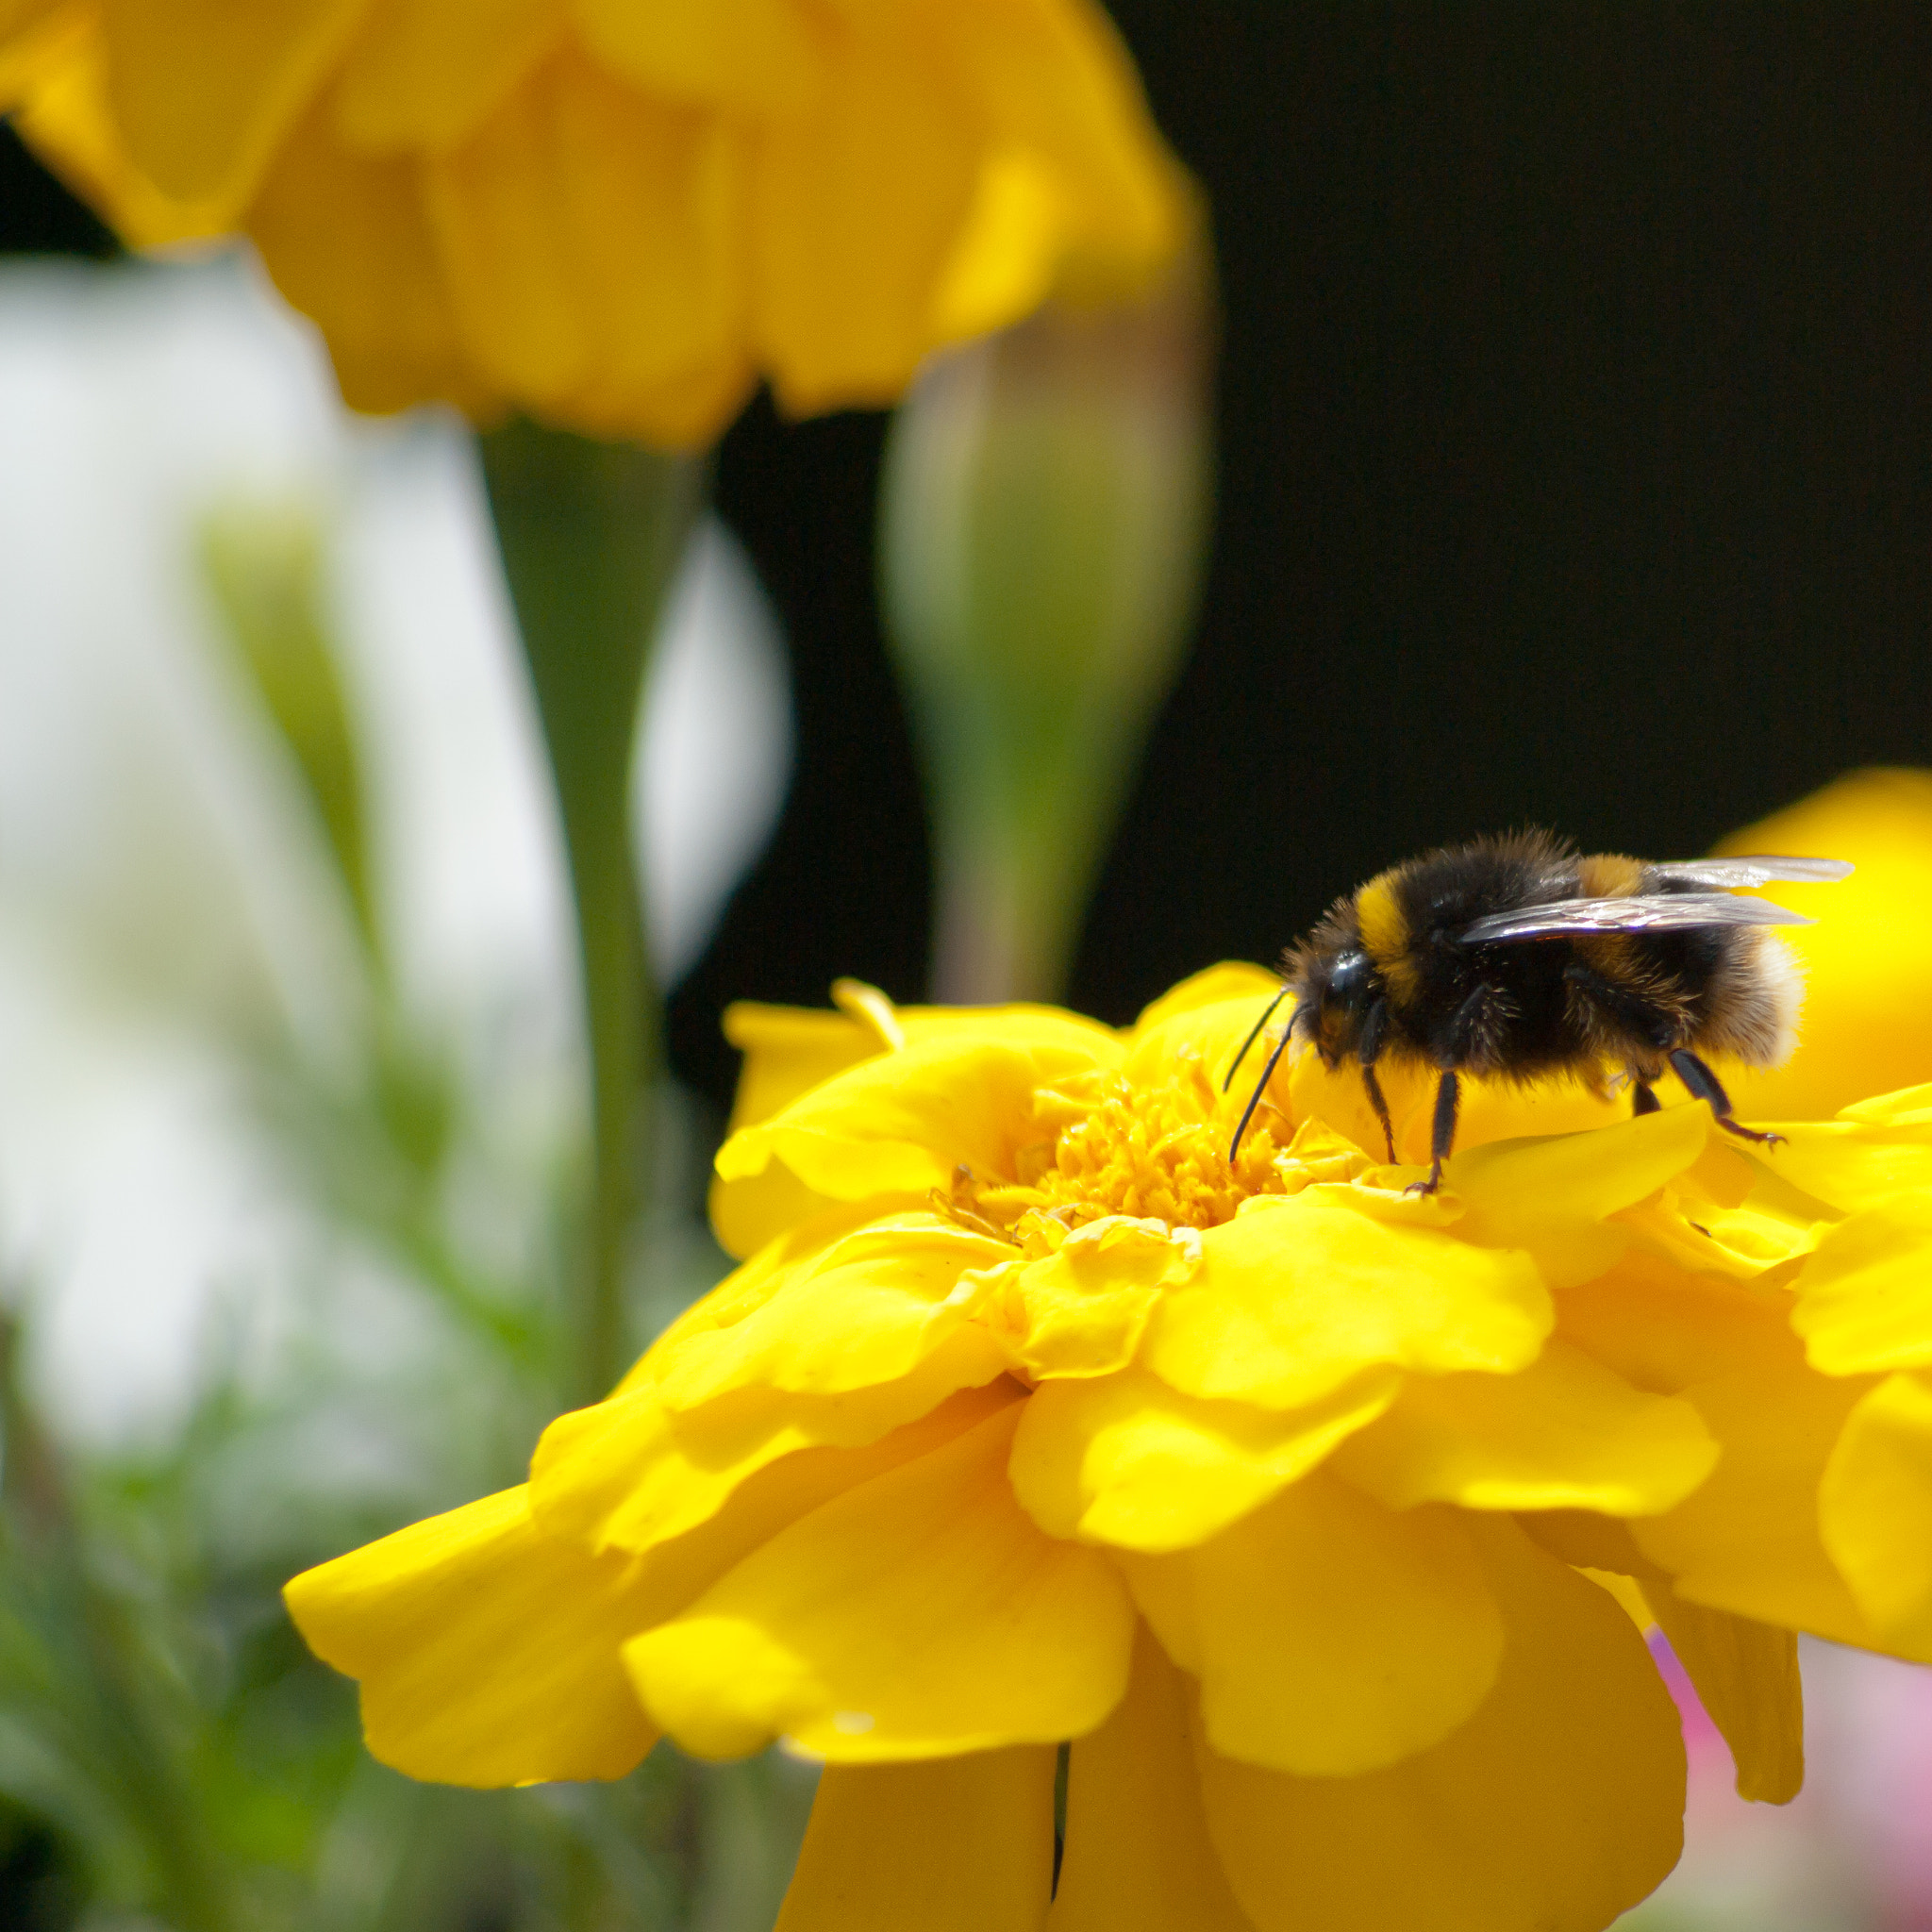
{"x":1336,"y":991}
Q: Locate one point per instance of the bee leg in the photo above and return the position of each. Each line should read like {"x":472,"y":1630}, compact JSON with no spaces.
{"x":1643,"y":1099}
{"x":1368,"y":1050}
{"x":1705,"y":1085}
{"x":1442,"y":1136}
{"x":1381,"y":1107}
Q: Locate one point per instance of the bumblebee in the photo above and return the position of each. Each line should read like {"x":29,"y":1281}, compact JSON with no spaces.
{"x":1519,"y":958}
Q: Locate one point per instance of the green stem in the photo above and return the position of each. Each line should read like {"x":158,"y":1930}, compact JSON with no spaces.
{"x":590,"y":535}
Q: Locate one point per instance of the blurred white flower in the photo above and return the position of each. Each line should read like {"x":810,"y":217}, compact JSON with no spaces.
{"x":162,"y":890}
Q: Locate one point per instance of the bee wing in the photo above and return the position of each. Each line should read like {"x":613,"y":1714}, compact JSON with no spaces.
{"x":1646,"y":912}
{"x":1758,"y":869}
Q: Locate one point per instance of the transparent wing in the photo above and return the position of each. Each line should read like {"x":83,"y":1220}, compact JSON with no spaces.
{"x":1651,"y":912}
{"x":1758,"y":869}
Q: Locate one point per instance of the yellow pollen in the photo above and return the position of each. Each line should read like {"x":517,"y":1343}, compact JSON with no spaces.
{"x":1153,"y":1153}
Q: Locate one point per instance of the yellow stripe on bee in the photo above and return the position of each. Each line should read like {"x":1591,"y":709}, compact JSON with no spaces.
{"x":1385,"y":935}
{"x":1607,"y":876}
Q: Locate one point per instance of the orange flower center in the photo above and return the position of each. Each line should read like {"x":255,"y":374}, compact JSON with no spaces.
{"x":1153,"y":1153}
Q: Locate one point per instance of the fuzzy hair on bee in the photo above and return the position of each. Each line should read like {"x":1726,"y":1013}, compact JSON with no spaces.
{"x":1517,"y":958}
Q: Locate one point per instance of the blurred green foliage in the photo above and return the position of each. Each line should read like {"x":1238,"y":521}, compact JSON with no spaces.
{"x":170,"y":1752}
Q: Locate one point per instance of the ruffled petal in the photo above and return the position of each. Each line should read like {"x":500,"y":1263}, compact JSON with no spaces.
{"x":754,"y":56}
{"x":1557,"y":1806}
{"x":1663,"y":1329}
{"x":1876,"y":1510}
{"x":955,"y":1844}
{"x":1331,"y":1635}
{"x":904,"y":1121}
{"x":1747,"y":1540}
{"x":54,"y":89}
{"x":869,"y":1309}
{"x":347,"y":240}
{"x":1746,"y":1677}
{"x":487,"y":1653}
{"x":789,"y":1050}
{"x":917,"y":1615}
{"x":1850,"y":1162}
{"x":1082,"y":1309}
{"x":1564,"y":1433}
{"x":1298,"y":1295}
{"x":1054,"y":83}
{"x":1127,"y":1460}
{"x":1233,"y":980}
{"x":1138,"y":1858}
{"x":1555,"y":1191}
{"x":524,"y":213}
{"x":858,"y":198}
{"x":1864,"y":1295}
{"x":202,"y":89}
{"x":423,"y":73}
{"x":630,"y":1474}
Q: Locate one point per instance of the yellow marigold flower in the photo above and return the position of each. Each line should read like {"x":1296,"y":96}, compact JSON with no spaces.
{"x":612,"y":215}
{"x":1320,"y":1517}
{"x":1868,"y":961}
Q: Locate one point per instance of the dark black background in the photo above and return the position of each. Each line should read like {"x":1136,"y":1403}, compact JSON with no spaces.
{"x":1574,"y":468}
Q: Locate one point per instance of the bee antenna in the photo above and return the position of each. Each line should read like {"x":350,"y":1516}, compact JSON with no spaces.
{"x":1267,"y":1013}
{"x":1260,"y":1088}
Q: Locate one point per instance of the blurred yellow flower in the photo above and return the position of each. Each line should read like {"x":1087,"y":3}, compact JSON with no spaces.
{"x":1320,"y":1517}
{"x":1868,"y":961}
{"x":614,"y":216}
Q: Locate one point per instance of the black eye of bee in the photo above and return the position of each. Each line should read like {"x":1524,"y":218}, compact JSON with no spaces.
{"x":1349,"y":982}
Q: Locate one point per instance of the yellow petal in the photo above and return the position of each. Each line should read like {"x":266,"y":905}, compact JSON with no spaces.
{"x":903,"y":1122}
{"x":1054,"y":81}
{"x":1129,"y":1462}
{"x":1296,"y":1298}
{"x":423,"y":73}
{"x":789,"y":1050}
{"x":1081,"y":1310}
{"x":1875,"y":1508}
{"x":54,"y":86}
{"x":526,"y":210}
{"x":917,"y":1615}
{"x":1513,"y":1190}
{"x":1853,"y":1162}
{"x":871,"y":1308}
{"x":958,"y":1844}
{"x":21,"y":17}
{"x":347,"y":240}
{"x":858,"y":198}
{"x":487,"y":1653}
{"x":1213,"y":1031}
{"x":1334,"y":1636}
{"x":1138,"y":1858}
{"x":1564,"y":1433}
{"x":630,"y":1474}
{"x":1868,"y":997}
{"x":1746,"y":1677}
{"x":759,"y":56}
{"x":1664,"y":1329}
{"x":1233,"y":980}
{"x":1747,"y":1540}
{"x":1556,"y":1808}
{"x":203,"y":89}
{"x":1865,"y":1294}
